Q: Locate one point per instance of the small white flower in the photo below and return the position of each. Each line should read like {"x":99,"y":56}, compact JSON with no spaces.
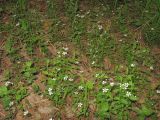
{"x":78,"y":15}
{"x":125,"y":35}
{"x":93,"y":62}
{"x":17,"y":24}
{"x":54,"y":79}
{"x":18,"y":62}
{"x":82,"y":16}
{"x":50,"y":93}
{"x":104,"y":82}
{"x":81,"y":71}
{"x":58,"y":69}
{"x":80,"y":105}
{"x":51,"y":119}
{"x":151,"y":68}
{"x":76,"y":93}
{"x":124,"y":86}
{"x":58,"y":52}
{"x":50,"y":89}
{"x":80,"y":87}
{"x":120,"y":40}
{"x":128,"y":94}
{"x":64,"y":53}
{"x":8,"y":83}
{"x":11,"y":103}
{"x":88,"y":12}
{"x":77,"y":62}
{"x":112,"y":84}
{"x":65,"y":77}
{"x":97,"y":75}
{"x":65,"y":48}
{"x":25,"y":113}
{"x":152,"y":28}
{"x":105,"y":90}
{"x":59,"y":56}
{"x":100,"y":27}
{"x":70,"y":79}
{"x":133,"y":65}
{"x":158,"y":91}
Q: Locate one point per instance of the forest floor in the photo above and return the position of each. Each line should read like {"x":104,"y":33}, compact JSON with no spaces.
{"x":68,"y":60}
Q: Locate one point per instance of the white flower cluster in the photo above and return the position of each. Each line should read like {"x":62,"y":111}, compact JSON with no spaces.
{"x":124,"y":86}
{"x":80,"y":87}
{"x":80,"y":105}
{"x":128,"y":94}
{"x":105,"y":90}
{"x":104,"y":82}
{"x":25,"y":113}
{"x":63,"y":53}
{"x":76,"y":93}
{"x":50,"y":91}
{"x":80,"y":16}
{"x":112,"y":83}
{"x":67,"y":78}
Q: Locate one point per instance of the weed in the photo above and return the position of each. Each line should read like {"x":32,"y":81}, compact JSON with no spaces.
{"x":20,"y":94}
{"x":100,"y":45}
{"x":71,"y":7}
{"x":29,"y":72}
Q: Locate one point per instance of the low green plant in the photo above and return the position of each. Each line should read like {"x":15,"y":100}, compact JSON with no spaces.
{"x":28,"y":72}
{"x":134,"y":52}
{"x":143,"y":112}
{"x":21,"y":6}
{"x":78,"y":30}
{"x":35,"y":87}
{"x":71,"y":7}
{"x":11,"y":50}
{"x":60,"y":78}
{"x":114,"y":97}
{"x":100,"y":45}
{"x":20,"y":94}
{"x":5,"y":96}
{"x":81,"y":97}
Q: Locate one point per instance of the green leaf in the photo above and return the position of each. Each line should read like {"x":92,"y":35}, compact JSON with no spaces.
{"x":29,"y":64}
{"x":3,"y":91}
{"x":6,"y":100}
{"x":124,"y":101}
{"x":146,"y":111}
{"x":21,"y":94}
{"x":133,"y":98}
{"x":89,"y":85}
